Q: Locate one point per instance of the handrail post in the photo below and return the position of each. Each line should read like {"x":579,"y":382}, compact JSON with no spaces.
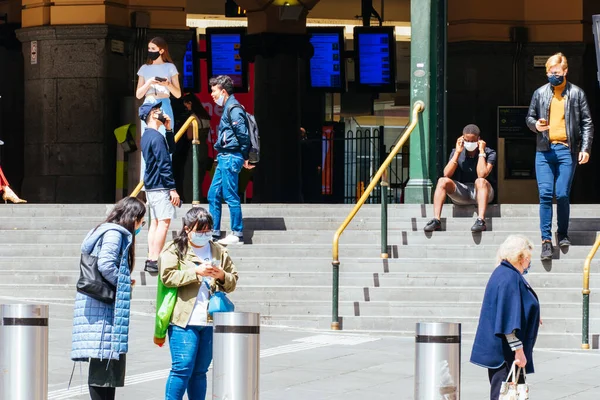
{"x":585,"y":323}
{"x":335,"y":321}
{"x":195,"y":160}
{"x":384,"y":214}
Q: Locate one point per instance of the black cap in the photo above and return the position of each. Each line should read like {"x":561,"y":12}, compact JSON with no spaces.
{"x":146,"y":108}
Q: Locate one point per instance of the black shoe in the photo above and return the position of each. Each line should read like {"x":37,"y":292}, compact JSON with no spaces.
{"x":478,"y":226}
{"x":564,"y":242}
{"x":433,"y":225}
{"x":547,"y":251}
{"x":151,"y":267}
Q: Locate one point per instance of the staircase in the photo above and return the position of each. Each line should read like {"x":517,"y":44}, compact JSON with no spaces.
{"x":285,"y":267}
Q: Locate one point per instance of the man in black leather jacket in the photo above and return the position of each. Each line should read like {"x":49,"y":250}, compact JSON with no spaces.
{"x":560,"y":116}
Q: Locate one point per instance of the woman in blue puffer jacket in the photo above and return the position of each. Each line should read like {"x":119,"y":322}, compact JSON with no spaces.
{"x":101,"y":330}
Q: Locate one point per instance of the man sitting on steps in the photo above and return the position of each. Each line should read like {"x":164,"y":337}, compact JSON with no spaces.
{"x":466,"y":178}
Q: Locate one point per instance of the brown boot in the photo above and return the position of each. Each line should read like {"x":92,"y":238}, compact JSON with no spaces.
{"x":9,"y":195}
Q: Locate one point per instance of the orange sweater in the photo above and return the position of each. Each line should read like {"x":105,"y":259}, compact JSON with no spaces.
{"x":558,"y":128}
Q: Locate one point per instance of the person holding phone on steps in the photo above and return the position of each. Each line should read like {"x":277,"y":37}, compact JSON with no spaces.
{"x":560,"y":117}
{"x":158,"y":80}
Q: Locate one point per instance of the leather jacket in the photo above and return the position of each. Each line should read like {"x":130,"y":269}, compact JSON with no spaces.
{"x":578,"y":120}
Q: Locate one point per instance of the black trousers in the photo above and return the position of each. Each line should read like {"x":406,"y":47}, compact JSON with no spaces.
{"x":102,"y":393}
{"x":499,"y":375}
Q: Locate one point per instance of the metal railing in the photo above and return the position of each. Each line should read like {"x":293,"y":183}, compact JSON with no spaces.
{"x":585,"y":344}
{"x":193,"y":120}
{"x":418,"y":107}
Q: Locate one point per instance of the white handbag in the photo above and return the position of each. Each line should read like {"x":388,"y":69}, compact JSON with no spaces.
{"x":511,"y":389}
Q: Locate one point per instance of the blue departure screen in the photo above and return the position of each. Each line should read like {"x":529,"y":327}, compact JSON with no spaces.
{"x":326,"y":64}
{"x":188,"y":67}
{"x":375,"y":59}
{"x":225,"y":56}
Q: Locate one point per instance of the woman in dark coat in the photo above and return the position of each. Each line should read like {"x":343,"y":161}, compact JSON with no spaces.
{"x":510,"y":315}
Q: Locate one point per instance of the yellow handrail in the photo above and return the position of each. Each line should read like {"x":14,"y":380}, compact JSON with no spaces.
{"x":586,"y":295}
{"x":417,"y":108}
{"x":193,"y":120}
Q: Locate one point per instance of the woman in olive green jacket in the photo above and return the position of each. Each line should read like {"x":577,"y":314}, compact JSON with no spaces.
{"x":198,"y":267}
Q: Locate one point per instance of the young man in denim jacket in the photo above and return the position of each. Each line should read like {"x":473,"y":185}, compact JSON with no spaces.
{"x":233,"y":147}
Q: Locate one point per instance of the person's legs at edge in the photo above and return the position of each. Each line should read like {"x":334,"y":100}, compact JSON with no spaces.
{"x":482,"y":190}
{"x":102,"y":393}
{"x":3,"y":180}
{"x":497,"y":376}
{"x":230,"y":193}
{"x":184,"y":348}
{"x":196,"y":389}
{"x":444,"y":187}
{"x":545,"y":170}
{"x":215,"y":198}
{"x":159,"y":238}
{"x":567,"y":163}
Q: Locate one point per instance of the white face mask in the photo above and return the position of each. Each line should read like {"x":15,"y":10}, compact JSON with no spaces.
{"x":221,"y":100}
{"x":470,"y":146}
{"x":199,"y":239}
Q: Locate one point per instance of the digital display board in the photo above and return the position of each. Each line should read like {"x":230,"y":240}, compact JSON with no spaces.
{"x":375,"y":59}
{"x":191,"y":66}
{"x":223,"y":46}
{"x":512,"y":122}
{"x":327,"y":65}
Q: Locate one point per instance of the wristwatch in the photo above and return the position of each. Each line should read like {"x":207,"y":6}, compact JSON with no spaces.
{"x":482,"y":155}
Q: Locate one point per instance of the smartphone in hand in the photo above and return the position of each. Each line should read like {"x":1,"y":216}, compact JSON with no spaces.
{"x":160,"y":79}
{"x":543,"y":121}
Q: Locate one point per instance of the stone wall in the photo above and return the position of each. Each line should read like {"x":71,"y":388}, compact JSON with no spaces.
{"x":73,"y":98}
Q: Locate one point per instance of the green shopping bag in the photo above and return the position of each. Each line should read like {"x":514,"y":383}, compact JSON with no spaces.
{"x":165,"y":303}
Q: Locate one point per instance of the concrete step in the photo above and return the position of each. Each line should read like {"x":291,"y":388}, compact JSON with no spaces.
{"x":441,"y":295}
{"x":368,"y":280}
{"x":399,"y":238}
{"x":322,"y":264}
{"x":270,"y":223}
{"x":269,"y":210}
{"x":346,"y":251}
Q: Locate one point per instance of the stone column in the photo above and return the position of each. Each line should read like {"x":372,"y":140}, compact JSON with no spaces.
{"x":278,"y":46}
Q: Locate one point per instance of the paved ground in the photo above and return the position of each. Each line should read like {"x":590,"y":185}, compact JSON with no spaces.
{"x":319,"y":365}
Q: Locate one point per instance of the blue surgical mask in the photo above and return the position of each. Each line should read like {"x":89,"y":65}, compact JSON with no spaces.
{"x":138,"y":230}
{"x":526,"y":270}
{"x":200,"y":239}
{"x":556,"y":80}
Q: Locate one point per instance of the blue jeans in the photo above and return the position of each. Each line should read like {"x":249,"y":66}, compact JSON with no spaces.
{"x":191,"y":354}
{"x":554,"y":170}
{"x":224,"y":186}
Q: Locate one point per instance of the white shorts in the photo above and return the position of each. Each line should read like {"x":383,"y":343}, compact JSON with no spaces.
{"x":159,"y":205}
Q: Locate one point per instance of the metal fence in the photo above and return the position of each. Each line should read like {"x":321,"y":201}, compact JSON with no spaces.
{"x":338,"y":168}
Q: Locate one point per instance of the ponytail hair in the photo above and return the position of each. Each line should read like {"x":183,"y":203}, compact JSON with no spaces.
{"x":196,"y":219}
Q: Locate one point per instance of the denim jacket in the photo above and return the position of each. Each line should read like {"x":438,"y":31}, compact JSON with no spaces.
{"x":233,"y":130}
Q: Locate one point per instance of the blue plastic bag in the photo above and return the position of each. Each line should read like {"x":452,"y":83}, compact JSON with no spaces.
{"x":219,"y":303}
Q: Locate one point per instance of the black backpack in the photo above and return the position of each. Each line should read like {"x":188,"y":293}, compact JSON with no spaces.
{"x":254,"y":155}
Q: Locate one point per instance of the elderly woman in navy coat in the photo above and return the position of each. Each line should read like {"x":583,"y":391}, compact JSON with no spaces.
{"x":510,"y":315}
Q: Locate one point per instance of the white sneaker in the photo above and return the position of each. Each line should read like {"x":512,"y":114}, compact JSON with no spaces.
{"x":230,"y":239}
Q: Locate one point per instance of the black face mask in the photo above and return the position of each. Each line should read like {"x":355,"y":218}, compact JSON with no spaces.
{"x":153,"y":55}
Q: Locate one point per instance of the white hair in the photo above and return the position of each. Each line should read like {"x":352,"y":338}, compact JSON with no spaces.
{"x":514,"y":248}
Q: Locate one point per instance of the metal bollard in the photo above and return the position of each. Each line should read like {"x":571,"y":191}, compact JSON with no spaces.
{"x":437,"y":361}
{"x":24,"y":351}
{"x":236,"y":356}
